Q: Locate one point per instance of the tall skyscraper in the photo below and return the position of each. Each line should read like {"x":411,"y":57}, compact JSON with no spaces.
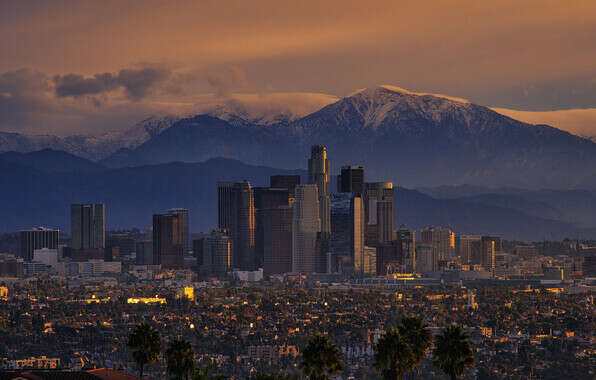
{"x":186,"y":223}
{"x":407,"y":241}
{"x":277,"y":239}
{"x":236,"y":213}
{"x":351,"y":180}
{"x":288,"y":182}
{"x":306,"y":228}
{"x":347,"y":232}
{"x":427,"y":258}
{"x":379,"y":206}
{"x":168,"y":240}
{"x":88,"y":226}
{"x":318,"y":174}
{"x":266,"y":198}
{"x":443,"y":239}
{"x":37,"y":238}
{"x":144,"y":252}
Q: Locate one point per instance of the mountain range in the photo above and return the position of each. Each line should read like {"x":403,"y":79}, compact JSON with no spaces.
{"x":37,"y":189}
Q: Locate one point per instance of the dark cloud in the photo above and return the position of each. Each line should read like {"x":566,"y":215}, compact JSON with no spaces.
{"x":137,"y":82}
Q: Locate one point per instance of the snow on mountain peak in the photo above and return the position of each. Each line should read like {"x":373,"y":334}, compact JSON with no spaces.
{"x":373,"y":90}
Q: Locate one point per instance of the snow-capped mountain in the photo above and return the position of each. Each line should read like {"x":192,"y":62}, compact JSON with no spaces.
{"x":411,"y":138}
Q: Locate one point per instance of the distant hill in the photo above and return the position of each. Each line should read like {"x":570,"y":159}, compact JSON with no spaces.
{"x":32,"y":194}
{"x":50,"y":160}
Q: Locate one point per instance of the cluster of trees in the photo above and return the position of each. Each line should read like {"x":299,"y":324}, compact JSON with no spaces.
{"x":399,"y":351}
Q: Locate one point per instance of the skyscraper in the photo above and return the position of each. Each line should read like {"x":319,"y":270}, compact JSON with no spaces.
{"x":469,"y":249}
{"x":347,"y":232}
{"x":407,"y":241}
{"x":88,"y":226}
{"x":214,"y":253}
{"x":490,"y":245}
{"x":186,"y":223}
{"x":306,"y":228}
{"x":351,"y":180}
{"x":168,"y":240}
{"x":277,"y":239}
{"x":266,"y":198}
{"x":236,"y":213}
{"x":318,"y":174}
{"x":37,"y":238}
{"x":379,"y":219}
{"x":288,"y":182}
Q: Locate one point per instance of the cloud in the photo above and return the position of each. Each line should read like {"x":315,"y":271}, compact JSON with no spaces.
{"x":137,"y":82}
{"x":226,"y":79}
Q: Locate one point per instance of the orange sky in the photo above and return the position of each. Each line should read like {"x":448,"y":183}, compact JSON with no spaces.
{"x":529,"y":55}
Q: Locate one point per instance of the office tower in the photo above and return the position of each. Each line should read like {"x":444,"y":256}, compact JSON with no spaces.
{"x":88,"y":226}
{"x":346,"y":243}
{"x":168,"y":240}
{"x":277,"y":239}
{"x":442,"y":238}
{"x":369,"y":267}
{"x":144,"y":252}
{"x":427,"y":258}
{"x":351,"y":180}
{"x":490,"y":245}
{"x":407,"y":242}
{"x":236,"y":214}
{"x":124,"y":241}
{"x":378,"y":203}
{"x":214,"y":253}
{"x":265,"y":198}
{"x":306,"y":228}
{"x":186,"y":223}
{"x":469,"y":249}
{"x":389,"y":258}
{"x":37,"y":238}
{"x":318,"y":174}
{"x":288,"y":182}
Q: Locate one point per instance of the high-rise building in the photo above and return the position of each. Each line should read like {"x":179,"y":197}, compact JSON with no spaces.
{"x":379,"y":206}
{"x":469,"y":249}
{"x":266,"y":198}
{"x":306,"y":228}
{"x":168,"y":240}
{"x":144,"y":252}
{"x":407,"y":241}
{"x":277,"y":239}
{"x":318,"y":174}
{"x":389,"y":258}
{"x":347,"y":232}
{"x":37,"y":238}
{"x":351,"y":180}
{"x":214,"y":253}
{"x":186,"y":222}
{"x":236,"y":214}
{"x":288,"y":182}
{"x":427,"y":258}
{"x":490,"y":245}
{"x":442,"y":238}
{"x":88,"y":226}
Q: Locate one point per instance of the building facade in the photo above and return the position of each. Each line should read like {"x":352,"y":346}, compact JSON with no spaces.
{"x":37,"y":238}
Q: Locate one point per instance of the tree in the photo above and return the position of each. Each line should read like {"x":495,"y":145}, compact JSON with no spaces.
{"x":321,"y":359}
{"x":393,"y":355}
{"x":146,"y":342}
{"x":453,"y":352}
{"x":418,"y":336}
{"x":180,"y":356}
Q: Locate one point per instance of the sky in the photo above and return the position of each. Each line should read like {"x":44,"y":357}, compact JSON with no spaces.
{"x":87,"y":67}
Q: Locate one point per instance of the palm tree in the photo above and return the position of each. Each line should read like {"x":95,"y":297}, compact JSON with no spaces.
{"x":453,"y":352}
{"x":321,"y":359}
{"x":418,"y":336}
{"x":393,"y":355}
{"x":180,"y":356}
{"x":146,"y":342}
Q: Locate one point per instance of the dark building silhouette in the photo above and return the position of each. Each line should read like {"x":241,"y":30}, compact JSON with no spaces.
{"x":351,"y":180}
{"x":88,"y":226}
{"x":266,"y":198}
{"x":277,"y":239}
{"x":379,"y":207}
{"x":407,"y":241}
{"x":288,"y":182}
{"x":347,"y":233}
{"x":168,"y":240}
{"x":186,"y":223}
{"x":490,"y":245}
{"x":236,"y":214}
{"x":144,"y":252}
{"x":37,"y":238}
{"x":318,"y":174}
{"x":389,"y":258}
{"x":214,"y":253}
